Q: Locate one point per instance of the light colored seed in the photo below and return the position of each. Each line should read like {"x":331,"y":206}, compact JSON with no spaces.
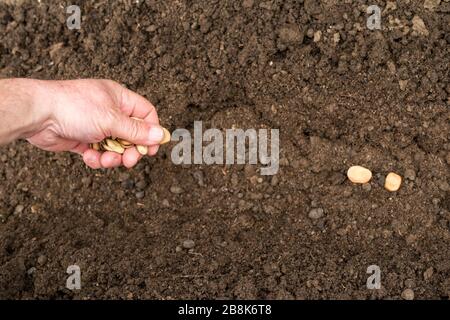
{"x":105,"y":147}
{"x":96,"y":146}
{"x":166,"y":136}
{"x":358,"y":174}
{"x":142,"y":149}
{"x":114,"y":146}
{"x":124,"y":143}
{"x":392,"y":182}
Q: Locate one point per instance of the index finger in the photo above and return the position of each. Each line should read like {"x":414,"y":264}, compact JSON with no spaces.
{"x":135,"y":105}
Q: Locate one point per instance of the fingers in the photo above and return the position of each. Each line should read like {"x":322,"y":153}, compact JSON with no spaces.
{"x":97,"y":160}
{"x":135,"y":105}
{"x":92,"y":159}
{"x":80,"y":148}
{"x":110,"y":159}
{"x":137,"y":132}
{"x":152,"y":150}
{"x":131,"y":157}
{"x":146,"y":132}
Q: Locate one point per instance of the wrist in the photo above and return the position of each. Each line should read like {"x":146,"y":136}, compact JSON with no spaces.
{"x":23,"y":107}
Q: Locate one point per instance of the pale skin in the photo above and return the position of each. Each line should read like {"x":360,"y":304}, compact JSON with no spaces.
{"x":69,"y":115}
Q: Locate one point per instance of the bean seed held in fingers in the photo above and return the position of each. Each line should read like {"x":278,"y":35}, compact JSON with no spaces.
{"x":166,"y":138}
{"x":358,"y":174}
{"x":114,"y":146}
{"x":142,"y":149}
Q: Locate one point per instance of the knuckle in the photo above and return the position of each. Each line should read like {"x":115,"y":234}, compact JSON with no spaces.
{"x":135,"y":129}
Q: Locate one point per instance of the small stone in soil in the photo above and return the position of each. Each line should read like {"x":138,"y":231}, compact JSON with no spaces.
{"x":316,"y":213}
{"x":274,"y":180}
{"x":166,"y":203}
{"x":408,"y":294}
{"x":140,"y":194}
{"x":188,"y":244}
{"x":367,"y":187}
{"x":436,"y":201}
{"x":141,"y":184}
{"x":86,"y":181}
{"x":41,"y":260}
{"x":410,"y":174}
{"x":31,"y":271}
{"x":19,"y":208}
{"x":127,"y":184}
{"x":198,"y":175}
{"x":176,"y":189}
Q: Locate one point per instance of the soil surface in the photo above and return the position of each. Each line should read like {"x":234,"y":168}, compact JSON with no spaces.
{"x":340,"y":94}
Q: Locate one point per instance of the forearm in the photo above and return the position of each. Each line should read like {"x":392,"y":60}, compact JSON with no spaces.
{"x":20,"y":115}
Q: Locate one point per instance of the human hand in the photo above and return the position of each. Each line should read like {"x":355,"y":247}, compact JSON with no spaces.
{"x":71,"y":114}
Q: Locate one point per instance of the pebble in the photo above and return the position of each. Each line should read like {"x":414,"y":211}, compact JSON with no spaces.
{"x":31,"y":271}
{"x":367,"y":187}
{"x":274,"y":181}
{"x":176,"y":189}
{"x":248,"y":3}
{"x":86,"y":181}
{"x":392,"y":182}
{"x":198,"y":175}
{"x":127,"y":184}
{"x":443,"y":185}
{"x":178,"y":249}
{"x":140,"y":194}
{"x":358,"y":174}
{"x":19,"y":208}
{"x":188,"y":244}
{"x":317,"y":36}
{"x":431,"y":4}
{"x":166,"y":203}
{"x":410,"y":174}
{"x":408,"y":294}
{"x":337,"y":178}
{"x":141,"y":184}
{"x":428,"y":273}
{"x":41,"y":260}
{"x":290,"y":34}
{"x":316,"y":213}
{"x":419,"y":26}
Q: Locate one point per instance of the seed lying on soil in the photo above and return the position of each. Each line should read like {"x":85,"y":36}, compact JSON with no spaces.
{"x":392,"y":182}
{"x":358,"y":174}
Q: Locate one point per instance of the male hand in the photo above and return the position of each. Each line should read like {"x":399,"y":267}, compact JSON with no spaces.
{"x":68,"y":115}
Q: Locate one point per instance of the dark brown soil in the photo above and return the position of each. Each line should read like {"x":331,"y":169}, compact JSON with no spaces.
{"x":374,"y":98}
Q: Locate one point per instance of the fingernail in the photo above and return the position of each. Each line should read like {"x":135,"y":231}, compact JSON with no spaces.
{"x":156,"y":134}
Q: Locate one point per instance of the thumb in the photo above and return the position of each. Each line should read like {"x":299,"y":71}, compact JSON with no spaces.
{"x":137,"y":131}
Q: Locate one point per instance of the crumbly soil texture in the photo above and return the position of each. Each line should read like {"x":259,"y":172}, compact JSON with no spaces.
{"x":340,"y":94}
